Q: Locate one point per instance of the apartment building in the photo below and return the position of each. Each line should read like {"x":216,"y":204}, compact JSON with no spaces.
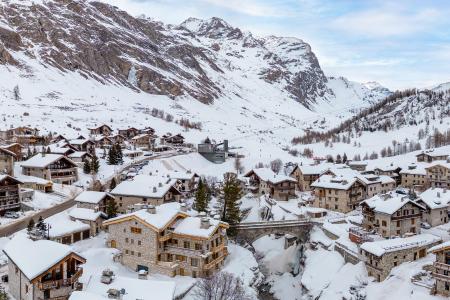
{"x":391,"y":215}
{"x":432,"y":155}
{"x":7,"y":159}
{"x":438,"y":174}
{"x":168,"y":241}
{"x":382,"y":256}
{"x":436,"y":202}
{"x":265,"y":182}
{"x":414,"y":177}
{"x":306,"y":175}
{"x":9,"y":193}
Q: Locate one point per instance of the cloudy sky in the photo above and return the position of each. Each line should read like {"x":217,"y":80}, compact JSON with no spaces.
{"x":401,"y":44}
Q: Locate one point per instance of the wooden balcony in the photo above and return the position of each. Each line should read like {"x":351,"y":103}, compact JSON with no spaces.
{"x":441,"y":266}
{"x":397,"y":218}
{"x":212,"y":263}
{"x":218,"y":248}
{"x":53,"y":284}
{"x":182,"y":251}
{"x":441,"y":277}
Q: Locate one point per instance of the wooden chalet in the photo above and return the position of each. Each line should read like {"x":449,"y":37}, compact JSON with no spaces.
{"x":101,"y":130}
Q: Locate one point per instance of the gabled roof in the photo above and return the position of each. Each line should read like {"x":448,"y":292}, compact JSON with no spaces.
{"x":91,"y":197}
{"x":442,"y":163}
{"x":191,"y":226}
{"x":379,"y":248}
{"x":335,"y":182}
{"x":85,"y":214}
{"x":389,"y":203}
{"x":435,"y":153}
{"x":266,"y":174}
{"x":165,"y":214}
{"x":40,"y":161}
{"x":80,"y":141}
{"x":6,"y":151}
{"x":435,"y":198}
{"x":35,"y":258}
{"x":440,"y":247}
{"x":4,"y":177}
{"x":145,"y":186}
{"x":103,"y":125}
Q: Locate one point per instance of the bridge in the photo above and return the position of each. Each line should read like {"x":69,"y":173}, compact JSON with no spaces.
{"x":252,"y":231}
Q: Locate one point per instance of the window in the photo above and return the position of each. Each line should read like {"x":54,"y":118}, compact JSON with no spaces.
{"x":413,"y":221}
{"x":194,"y":262}
{"x":126,"y":251}
{"x":139,"y":243}
{"x":26,"y":288}
{"x":139,"y":254}
{"x":383,"y":223}
{"x":126,"y":240}
{"x":132,"y":252}
{"x":198,"y":246}
{"x":187,"y":245}
{"x":136,"y":230}
{"x":132,"y":241}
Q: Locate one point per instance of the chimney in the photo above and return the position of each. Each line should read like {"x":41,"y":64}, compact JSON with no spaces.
{"x":160,"y":184}
{"x":183,"y":207}
{"x":204,"y":223}
{"x":438,"y":195}
{"x":154,"y":189}
{"x":151,"y":209}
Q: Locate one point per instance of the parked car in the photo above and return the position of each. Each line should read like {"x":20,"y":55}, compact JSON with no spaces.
{"x":11,"y":215}
{"x":425,"y":225}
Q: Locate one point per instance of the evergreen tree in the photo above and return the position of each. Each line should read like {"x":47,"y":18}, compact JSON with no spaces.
{"x":344,"y":158}
{"x":201,"y":196}
{"x":231,"y":195}
{"x":42,"y":226}
{"x":87,"y":167}
{"x":119,"y":154}
{"x":95,"y":165}
{"x":111,"y":208}
{"x":112,"y":156}
{"x":30,"y":226}
{"x":113,"y":184}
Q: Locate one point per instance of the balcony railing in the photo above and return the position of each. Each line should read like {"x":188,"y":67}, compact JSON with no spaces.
{"x":212,"y":263}
{"x":441,"y":266}
{"x":182,"y":251}
{"x":395,"y":218}
{"x":52,"y":284}
{"x":441,"y":277}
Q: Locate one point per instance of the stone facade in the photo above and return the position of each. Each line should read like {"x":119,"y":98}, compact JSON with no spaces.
{"x":441,"y":270}
{"x":304,"y":180}
{"x":62,"y":171}
{"x":439,"y":175}
{"x":7,"y":162}
{"x":339,"y":199}
{"x":404,"y":220}
{"x":416,"y":181}
{"x":143,"y":247}
{"x":9,"y":194}
{"x":124,"y":202}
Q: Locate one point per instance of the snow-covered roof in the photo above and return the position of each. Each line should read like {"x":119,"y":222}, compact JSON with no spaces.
{"x":191,"y":226}
{"x":435,"y":152}
{"x":266,"y":174}
{"x":443,"y":163}
{"x":165,"y":213}
{"x":388,"y":203}
{"x":42,"y":161}
{"x":134,"y":289}
{"x":415,"y":169}
{"x":61,"y":225}
{"x":5,"y":176}
{"x":340,"y":182}
{"x":35,"y":257}
{"x":144,"y":186}
{"x":312,"y":169}
{"x":357,"y":163}
{"x":180,"y":175}
{"x":373,"y":179}
{"x":139,"y":136}
{"x":85,"y":214}
{"x":78,"y":154}
{"x":4,"y":150}
{"x":436,"y":198}
{"x":32,"y":179}
{"x":382,"y":247}
{"x":79,"y":141}
{"x":91,"y":197}
{"x":440,"y":247}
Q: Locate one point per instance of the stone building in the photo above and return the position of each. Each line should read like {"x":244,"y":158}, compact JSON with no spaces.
{"x":15,"y":148}
{"x":83,"y":145}
{"x":438,"y":174}
{"x":414,"y":177}
{"x":55,"y":167}
{"x":432,"y":155}
{"x":129,"y":132}
{"x":306,"y":175}
{"x":97,"y":201}
{"x":101,"y":130}
{"x":441,"y":269}
{"x":42,"y":269}
{"x":145,"y":189}
{"x":381,"y":256}
{"x":266,"y":182}
{"x":168,"y":241}
{"x":7,"y":159}
{"x":90,"y":217}
{"x":23,"y":135}
{"x":436,"y":202}
{"x":9,"y":193}
{"x":391,"y":215}
{"x":144,"y":141}
{"x":186,"y":181}
{"x":338,"y":193}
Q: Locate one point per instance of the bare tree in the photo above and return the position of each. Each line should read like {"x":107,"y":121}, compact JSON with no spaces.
{"x":221,"y":286}
{"x":276,"y":165}
{"x":16,"y":92}
{"x":238,"y":165}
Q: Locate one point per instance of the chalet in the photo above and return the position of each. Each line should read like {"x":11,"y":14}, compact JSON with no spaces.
{"x":377,"y":184}
{"x":101,"y":130}
{"x":432,"y":155}
{"x":168,"y":241}
{"x":15,"y":148}
{"x":51,"y":272}
{"x":145,"y":189}
{"x":173,"y":139}
{"x":58,"y":138}
{"x":414,"y":177}
{"x":382,"y":256}
{"x":306,"y":175}
{"x":132,"y":153}
{"x":54,"y":167}
{"x":35,"y":183}
{"x":266,"y":182}
{"x":23,"y":135}
{"x":141,"y":141}
{"x":118,"y":139}
{"x":9,"y":193}
{"x":83,"y":145}
{"x":338,"y":193}
{"x":90,"y":217}
{"x":80,"y":157}
{"x":58,"y":148}
{"x":102,"y":141}
{"x":436,"y":202}
{"x":97,"y":201}
{"x":357,"y":165}
{"x":390,"y":170}
{"x":147,"y":130}
{"x":129,"y":132}
{"x":441,"y":269}
{"x":391,"y":215}
{"x":7,"y":159}
{"x":67,"y":230}
{"x":438,"y":174}
{"x":186,"y":181}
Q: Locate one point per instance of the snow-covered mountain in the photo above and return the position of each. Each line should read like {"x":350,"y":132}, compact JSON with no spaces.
{"x":78,"y":63}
